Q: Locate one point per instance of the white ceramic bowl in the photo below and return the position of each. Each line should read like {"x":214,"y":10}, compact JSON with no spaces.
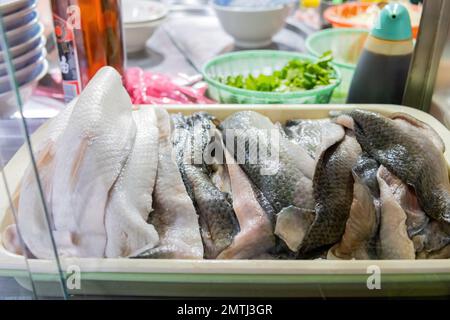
{"x":8,"y":101}
{"x":11,"y":6}
{"x":19,"y":18}
{"x":31,"y":57}
{"x":136,"y":35}
{"x":252,"y":27}
{"x":141,"y":19}
{"x":140,"y":11}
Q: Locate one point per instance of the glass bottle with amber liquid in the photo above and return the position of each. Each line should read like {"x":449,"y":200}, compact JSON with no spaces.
{"x":89,"y":36}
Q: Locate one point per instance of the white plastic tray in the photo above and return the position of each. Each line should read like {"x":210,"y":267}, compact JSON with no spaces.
{"x":236,"y":278}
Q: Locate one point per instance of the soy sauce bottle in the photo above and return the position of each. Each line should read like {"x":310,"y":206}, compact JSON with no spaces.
{"x":89,"y":36}
{"x":381,"y":74}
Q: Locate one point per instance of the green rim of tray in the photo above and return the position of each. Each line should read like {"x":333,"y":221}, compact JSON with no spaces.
{"x":258,"y":285}
{"x":262,"y":94}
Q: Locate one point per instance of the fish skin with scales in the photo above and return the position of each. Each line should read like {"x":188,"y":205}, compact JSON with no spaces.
{"x":291,"y":184}
{"x":415,"y":159}
{"x":333,"y":194}
{"x":218,"y":221}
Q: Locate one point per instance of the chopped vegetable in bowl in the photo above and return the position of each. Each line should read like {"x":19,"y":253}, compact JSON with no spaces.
{"x":283,"y":81}
{"x":296,"y":75}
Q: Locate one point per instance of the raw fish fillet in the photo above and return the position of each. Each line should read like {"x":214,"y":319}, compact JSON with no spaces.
{"x":412,"y":156}
{"x":285,"y":177}
{"x":207,"y":184}
{"x":11,"y":240}
{"x":174,"y":215}
{"x":416,"y":219}
{"x":255,"y":236}
{"x":207,"y":181}
{"x":361,"y":226}
{"x":443,"y":253}
{"x":434,"y":237}
{"x":31,"y":218}
{"x":333,"y":193}
{"x":361,"y":231}
{"x":130,"y":201}
{"x":366,"y":170}
{"x":292,"y":226}
{"x":90,"y":155}
{"x":314,"y":136}
{"x":394,"y":240}
{"x":412,"y":126}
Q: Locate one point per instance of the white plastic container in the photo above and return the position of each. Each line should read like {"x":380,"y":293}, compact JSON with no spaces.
{"x":232,"y":278}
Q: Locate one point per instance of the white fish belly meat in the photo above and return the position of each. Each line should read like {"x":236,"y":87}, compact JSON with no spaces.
{"x":32,"y":222}
{"x":256,"y":231}
{"x":89,"y":157}
{"x":174,"y":215}
{"x":292,"y":225}
{"x":394,"y":240}
{"x":130,"y":201}
{"x":360,"y":228}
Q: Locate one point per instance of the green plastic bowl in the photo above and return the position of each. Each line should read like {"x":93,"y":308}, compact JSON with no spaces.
{"x":256,"y":62}
{"x":346,"y":45}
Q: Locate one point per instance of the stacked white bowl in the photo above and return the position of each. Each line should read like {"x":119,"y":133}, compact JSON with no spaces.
{"x":141,"y":18}
{"x":252,"y":23}
{"x":26,"y":46}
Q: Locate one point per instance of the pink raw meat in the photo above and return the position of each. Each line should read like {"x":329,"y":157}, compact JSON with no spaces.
{"x":146,"y":87}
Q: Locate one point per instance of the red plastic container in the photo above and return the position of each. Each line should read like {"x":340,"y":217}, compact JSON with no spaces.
{"x":340,"y":16}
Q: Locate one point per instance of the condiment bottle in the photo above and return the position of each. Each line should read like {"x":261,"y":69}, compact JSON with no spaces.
{"x":89,"y":36}
{"x":382,"y":70}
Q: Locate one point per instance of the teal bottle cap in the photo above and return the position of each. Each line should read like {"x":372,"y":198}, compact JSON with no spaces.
{"x":393,"y":23}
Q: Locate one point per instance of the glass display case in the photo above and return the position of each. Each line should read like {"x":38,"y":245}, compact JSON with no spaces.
{"x":103,"y":196}
{"x":23,"y":64}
